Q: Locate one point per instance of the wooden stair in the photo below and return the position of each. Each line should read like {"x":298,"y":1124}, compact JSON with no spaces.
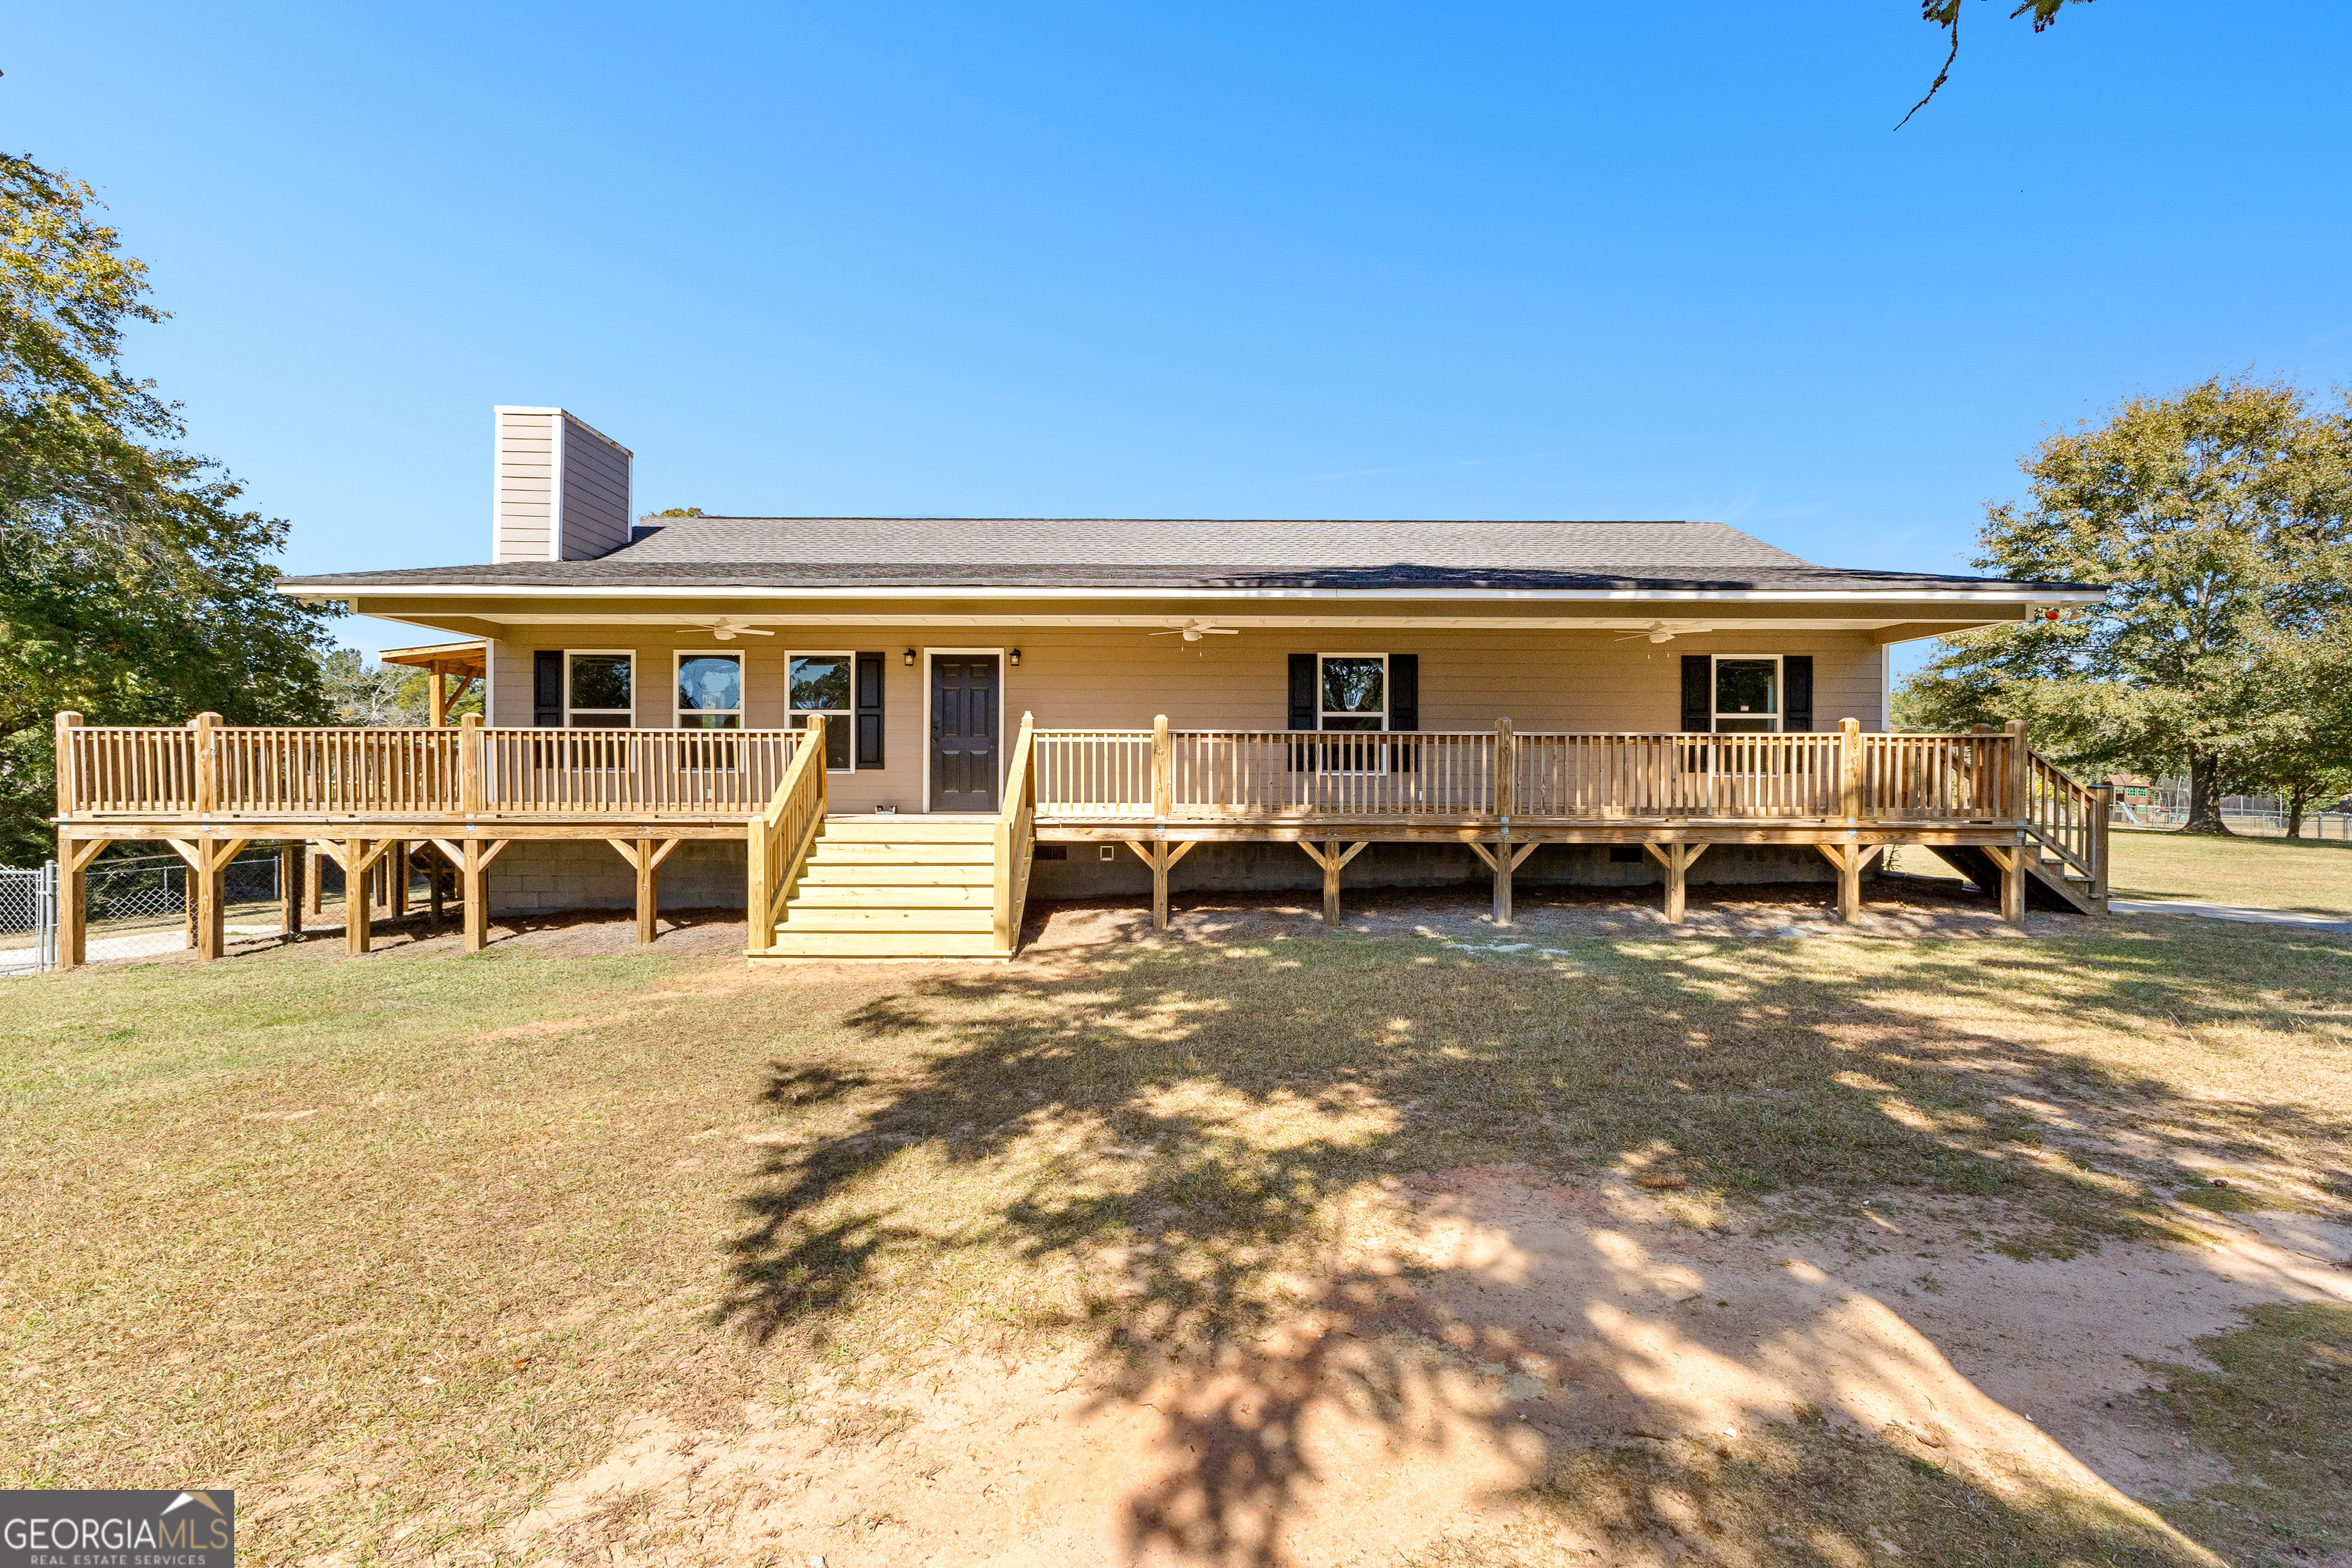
{"x":888,"y":887}
{"x":2052,"y":883}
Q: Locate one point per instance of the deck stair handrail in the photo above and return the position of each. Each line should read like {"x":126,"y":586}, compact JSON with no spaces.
{"x":1016,"y":836}
{"x":209,"y":769}
{"x":780,"y":837}
{"x":2069,"y":819}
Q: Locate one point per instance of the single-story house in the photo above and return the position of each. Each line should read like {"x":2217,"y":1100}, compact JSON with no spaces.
{"x":1553,"y":675}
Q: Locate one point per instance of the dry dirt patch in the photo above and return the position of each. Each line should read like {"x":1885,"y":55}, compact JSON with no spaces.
{"x":1503,"y":1365}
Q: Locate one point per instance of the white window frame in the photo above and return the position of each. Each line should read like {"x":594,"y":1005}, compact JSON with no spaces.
{"x":797,"y":717}
{"x":743,"y":686}
{"x":1321,"y":712}
{"x":569,"y":708}
{"x":1715,"y":716}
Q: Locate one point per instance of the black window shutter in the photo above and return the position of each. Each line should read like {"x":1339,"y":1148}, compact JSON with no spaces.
{"x":1306,"y":709}
{"x":1699,"y":693}
{"x":1797,"y":691}
{"x":1404,"y":691}
{"x":869,"y":710}
{"x":547,"y":689}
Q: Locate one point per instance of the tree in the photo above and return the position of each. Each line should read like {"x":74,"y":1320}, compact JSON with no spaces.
{"x":2217,"y":518}
{"x":134,"y":587}
{"x":2310,"y":760}
{"x":384,"y":694}
{"x":1946,"y":14}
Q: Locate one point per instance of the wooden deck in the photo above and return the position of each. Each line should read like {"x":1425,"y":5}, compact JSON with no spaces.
{"x":822,"y":887}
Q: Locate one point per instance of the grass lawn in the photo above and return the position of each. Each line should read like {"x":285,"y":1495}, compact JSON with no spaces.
{"x":395,"y":1246}
{"x":2268,"y":873}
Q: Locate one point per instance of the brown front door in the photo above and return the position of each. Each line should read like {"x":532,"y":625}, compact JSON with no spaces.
{"x":963,"y":732}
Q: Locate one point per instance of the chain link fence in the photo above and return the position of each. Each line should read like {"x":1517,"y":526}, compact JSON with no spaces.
{"x":138,"y":905}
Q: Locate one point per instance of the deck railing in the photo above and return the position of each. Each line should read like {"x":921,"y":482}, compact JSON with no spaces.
{"x":1446,"y":776}
{"x":207,"y":769}
{"x":1437,"y":777}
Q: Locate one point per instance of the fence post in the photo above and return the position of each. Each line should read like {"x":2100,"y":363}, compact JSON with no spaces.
{"x":1850,"y":769}
{"x":2102,"y":806}
{"x":470,"y":744}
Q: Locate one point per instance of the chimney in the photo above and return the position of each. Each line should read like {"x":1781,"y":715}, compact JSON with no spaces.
{"x":558,"y":488}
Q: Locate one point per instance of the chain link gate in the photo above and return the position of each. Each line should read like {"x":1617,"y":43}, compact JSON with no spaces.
{"x":28,"y":919}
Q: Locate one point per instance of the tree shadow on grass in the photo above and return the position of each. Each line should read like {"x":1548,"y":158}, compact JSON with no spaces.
{"x":1182,"y":1132}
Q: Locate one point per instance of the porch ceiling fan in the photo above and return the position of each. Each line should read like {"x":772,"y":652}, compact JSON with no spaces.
{"x":1662,"y":631}
{"x":725,"y":630}
{"x":1193,"y":631}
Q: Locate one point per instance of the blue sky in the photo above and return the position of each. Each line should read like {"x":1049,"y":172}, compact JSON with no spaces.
{"x":1363,"y":260}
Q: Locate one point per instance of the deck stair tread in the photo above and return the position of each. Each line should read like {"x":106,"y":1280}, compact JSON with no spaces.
{"x":885,"y":944}
{"x":894,"y":887}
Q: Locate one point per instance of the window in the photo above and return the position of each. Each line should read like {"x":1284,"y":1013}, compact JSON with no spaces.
{"x":709,"y":691}
{"x":597,"y":690}
{"x":1746,"y":694}
{"x":1355,"y":691}
{"x":822,"y":684}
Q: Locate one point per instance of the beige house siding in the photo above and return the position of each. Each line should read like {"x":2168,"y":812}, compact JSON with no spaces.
{"x":560,"y":489}
{"x":523,"y":484}
{"x":594,"y":516}
{"x":1118,"y":679}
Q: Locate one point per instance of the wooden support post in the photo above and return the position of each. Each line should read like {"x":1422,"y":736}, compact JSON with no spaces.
{"x":74,"y":856}
{"x":358,"y":912}
{"x":1333,"y":860}
{"x":645,"y":858}
{"x":2021,"y":771}
{"x":1850,"y":769}
{"x":69,"y":792}
{"x":314,"y":886}
{"x":473,"y":859}
{"x":1502,"y":861}
{"x":205,"y":725}
{"x":1678,"y":859}
{"x":2010,"y":858}
{"x":1163,"y":769}
{"x":291,"y":863}
{"x":436,"y":696}
{"x":396,"y":879}
{"x":759,"y":895}
{"x":470,"y":764}
{"x":1850,"y":859}
{"x":208,"y":860}
{"x":1161,"y":857}
{"x":188,"y":902}
{"x":434,"y":872}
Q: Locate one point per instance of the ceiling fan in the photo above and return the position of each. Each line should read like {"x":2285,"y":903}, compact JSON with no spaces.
{"x":725,"y":630}
{"x":1193,"y":631}
{"x":1659,"y":631}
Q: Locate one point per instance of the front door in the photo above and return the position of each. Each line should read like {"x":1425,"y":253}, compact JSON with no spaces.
{"x":963,"y":732}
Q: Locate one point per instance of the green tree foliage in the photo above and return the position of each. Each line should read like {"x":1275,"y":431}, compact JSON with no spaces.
{"x":2217,"y":518}
{"x":134,"y":587}
{"x":385,"y":694}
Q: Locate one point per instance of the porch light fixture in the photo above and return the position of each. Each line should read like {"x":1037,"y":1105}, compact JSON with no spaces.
{"x":909,"y":660}
{"x":1016,"y":659}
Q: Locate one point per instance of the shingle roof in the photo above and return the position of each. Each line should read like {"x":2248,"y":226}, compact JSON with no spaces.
{"x":821,"y":553}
